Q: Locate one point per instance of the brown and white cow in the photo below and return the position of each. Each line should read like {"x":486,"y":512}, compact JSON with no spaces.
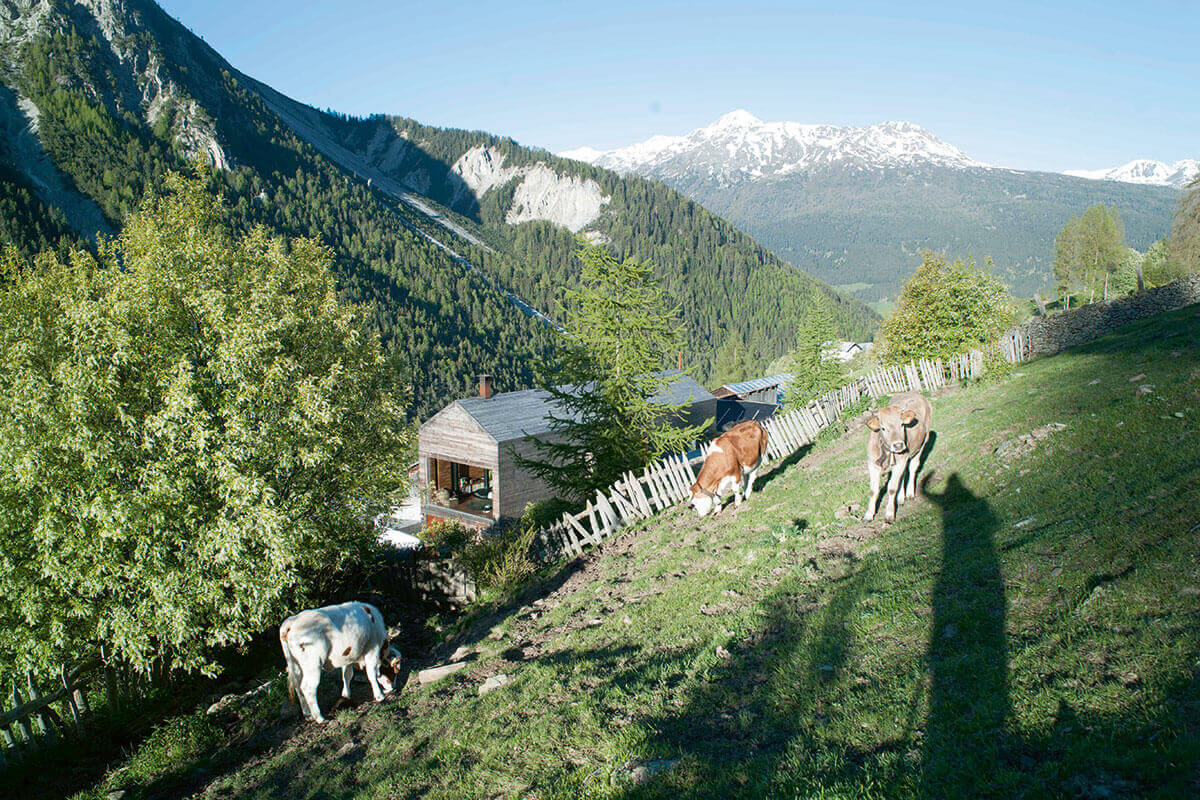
{"x":733,"y":459}
{"x":336,"y":637}
{"x":895,"y":444}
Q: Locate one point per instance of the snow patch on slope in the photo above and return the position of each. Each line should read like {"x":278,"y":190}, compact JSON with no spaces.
{"x":1145,"y":171}
{"x":542,"y":194}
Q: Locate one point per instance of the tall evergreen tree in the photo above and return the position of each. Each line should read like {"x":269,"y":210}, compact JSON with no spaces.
{"x":621,"y":332}
{"x":814,"y":368}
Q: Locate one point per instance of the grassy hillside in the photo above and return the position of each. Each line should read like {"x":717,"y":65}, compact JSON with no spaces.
{"x":1027,"y":628}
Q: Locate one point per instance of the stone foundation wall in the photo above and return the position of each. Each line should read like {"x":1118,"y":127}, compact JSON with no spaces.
{"x":1045,"y":335}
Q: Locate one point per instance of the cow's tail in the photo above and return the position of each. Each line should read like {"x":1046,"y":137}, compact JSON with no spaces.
{"x":292,"y":667}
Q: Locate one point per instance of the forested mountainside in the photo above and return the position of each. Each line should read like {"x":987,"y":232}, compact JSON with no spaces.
{"x":530,"y":205}
{"x":867,"y":228}
{"x":118,"y":93}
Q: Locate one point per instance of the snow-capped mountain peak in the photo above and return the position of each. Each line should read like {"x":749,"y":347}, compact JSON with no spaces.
{"x":740,"y":146}
{"x":1145,"y":170}
{"x":741,"y":118}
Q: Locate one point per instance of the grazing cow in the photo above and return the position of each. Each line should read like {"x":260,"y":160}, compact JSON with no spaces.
{"x":896,"y":444}
{"x":733,"y":459}
{"x":334,"y":637}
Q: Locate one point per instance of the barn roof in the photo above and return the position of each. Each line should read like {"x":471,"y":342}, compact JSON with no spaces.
{"x":758,"y":384}
{"x":515,"y":415}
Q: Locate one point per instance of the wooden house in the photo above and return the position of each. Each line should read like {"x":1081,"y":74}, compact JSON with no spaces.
{"x":467,"y":450}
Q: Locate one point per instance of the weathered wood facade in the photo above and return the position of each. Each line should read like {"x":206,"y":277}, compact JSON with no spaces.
{"x":468,"y":450}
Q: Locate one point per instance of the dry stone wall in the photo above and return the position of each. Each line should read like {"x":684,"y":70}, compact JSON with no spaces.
{"x":1045,"y":335}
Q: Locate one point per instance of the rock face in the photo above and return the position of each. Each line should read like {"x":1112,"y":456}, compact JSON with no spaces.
{"x":566,"y":201}
{"x":139,"y":81}
{"x":542,"y":194}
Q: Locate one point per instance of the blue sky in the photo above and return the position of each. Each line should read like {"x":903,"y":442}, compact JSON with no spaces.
{"x":1045,"y":85}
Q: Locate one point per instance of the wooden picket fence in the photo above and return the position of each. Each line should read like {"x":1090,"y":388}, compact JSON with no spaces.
{"x":666,"y":482}
{"x":40,"y":710}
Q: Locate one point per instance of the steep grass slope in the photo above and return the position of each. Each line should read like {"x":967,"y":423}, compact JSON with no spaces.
{"x":1027,"y":628}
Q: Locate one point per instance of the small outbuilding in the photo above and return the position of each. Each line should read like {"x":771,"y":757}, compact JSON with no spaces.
{"x":757,"y":390}
{"x":467,"y":450}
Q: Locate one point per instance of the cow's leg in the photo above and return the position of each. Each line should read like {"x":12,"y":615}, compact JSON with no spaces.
{"x":370,"y":664}
{"x":308,"y":691}
{"x":874,"y":471}
{"x":914,"y":464}
{"x":889,"y":513}
{"x":750,"y":477}
{"x":347,"y":675}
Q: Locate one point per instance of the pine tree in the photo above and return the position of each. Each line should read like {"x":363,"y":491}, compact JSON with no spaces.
{"x":815,"y":370}
{"x":620,"y":334}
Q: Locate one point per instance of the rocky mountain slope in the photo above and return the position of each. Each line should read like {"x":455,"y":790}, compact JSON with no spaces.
{"x":461,"y":242}
{"x":854,"y":206}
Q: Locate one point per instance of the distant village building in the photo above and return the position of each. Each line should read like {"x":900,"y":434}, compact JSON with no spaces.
{"x":848,"y":350}
{"x":467,"y":450}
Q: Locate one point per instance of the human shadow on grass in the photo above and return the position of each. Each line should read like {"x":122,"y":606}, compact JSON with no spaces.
{"x":967,"y":654}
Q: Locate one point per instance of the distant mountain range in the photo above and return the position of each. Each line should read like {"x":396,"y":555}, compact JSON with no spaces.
{"x":855,"y":206}
{"x":1143,"y":170}
{"x":739,"y":146}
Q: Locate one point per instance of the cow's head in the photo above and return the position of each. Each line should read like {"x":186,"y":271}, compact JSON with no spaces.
{"x":389,"y":662}
{"x":703,"y":500}
{"x":891,"y":425}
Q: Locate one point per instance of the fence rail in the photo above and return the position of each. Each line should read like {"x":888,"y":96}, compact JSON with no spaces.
{"x":666,"y":482}
{"x":43,"y":709}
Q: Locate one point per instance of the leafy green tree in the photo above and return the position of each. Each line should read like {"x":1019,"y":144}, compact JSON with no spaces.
{"x":1159,"y":267}
{"x":1184,"y":244}
{"x":621,"y":332}
{"x":815,"y":370}
{"x":193,"y":433}
{"x":944,"y":309}
{"x":1089,"y":251}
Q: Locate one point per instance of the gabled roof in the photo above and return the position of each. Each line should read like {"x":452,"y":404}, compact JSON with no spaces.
{"x":516,"y":415}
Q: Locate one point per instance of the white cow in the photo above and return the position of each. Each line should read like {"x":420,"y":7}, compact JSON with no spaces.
{"x":334,"y":637}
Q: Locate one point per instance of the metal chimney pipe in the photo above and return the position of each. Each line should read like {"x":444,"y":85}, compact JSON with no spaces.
{"x":485,"y":386}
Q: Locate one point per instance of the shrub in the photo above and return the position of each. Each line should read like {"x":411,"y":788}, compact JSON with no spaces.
{"x":945,"y":308}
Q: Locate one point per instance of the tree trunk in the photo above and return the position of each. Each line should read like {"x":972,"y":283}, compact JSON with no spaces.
{"x":1140,"y":288}
{"x":1106,"y":287}
{"x":1041,"y":304}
